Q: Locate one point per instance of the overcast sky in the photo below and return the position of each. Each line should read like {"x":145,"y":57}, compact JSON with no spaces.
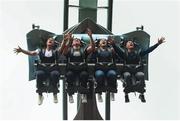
{"x":18,"y":100}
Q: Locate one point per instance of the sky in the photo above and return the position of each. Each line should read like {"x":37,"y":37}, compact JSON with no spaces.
{"x":18,"y":100}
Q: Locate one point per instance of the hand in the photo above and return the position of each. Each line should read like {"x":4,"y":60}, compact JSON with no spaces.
{"x":89,"y":32}
{"x":68,"y":36}
{"x":111,"y":40}
{"x":17,"y":50}
{"x":161,"y":40}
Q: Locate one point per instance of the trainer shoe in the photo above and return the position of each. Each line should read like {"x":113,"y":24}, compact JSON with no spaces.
{"x":112,"y":97}
{"x":100,"y":99}
{"x":40,"y":99}
{"x":71,"y":100}
{"x":126,"y":98}
{"x":142,"y":98}
{"x":55,"y":98}
{"x":84,"y":98}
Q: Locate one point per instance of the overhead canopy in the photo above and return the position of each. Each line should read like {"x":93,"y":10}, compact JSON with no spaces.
{"x":81,"y":27}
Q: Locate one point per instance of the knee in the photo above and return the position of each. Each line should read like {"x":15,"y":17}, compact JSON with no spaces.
{"x":111,"y":74}
{"x":69,"y":74}
{"x":84,"y":74}
{"x":40,"y":74}
{"x":140,"y":75}
{"x":99,"y":74}
{"x":55,"y":74}
{"x":127,"y":75}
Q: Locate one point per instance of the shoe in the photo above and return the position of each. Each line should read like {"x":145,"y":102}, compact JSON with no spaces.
{"x":142,"y":98}
{"x":112,"y":97}
{"x":100,"y":99}
{"x":55,"y":98}
{"x":126,"y":98}
{"x":40,"y":99}
{"x":71,"y":100}
{"x":84,"y":98}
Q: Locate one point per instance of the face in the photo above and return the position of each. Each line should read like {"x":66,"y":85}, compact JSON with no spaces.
{"x":76,"y":43}
{"x":130,"y":44}
{"x":103,"y":43}
{"x":50,"y":42}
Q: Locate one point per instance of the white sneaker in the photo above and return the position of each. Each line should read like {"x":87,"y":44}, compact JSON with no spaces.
{"x":84,"y":98}
{"x":55,"y":98}
{"x":100,"y":99}
{"x":71,"y":100}
{"x":112,"y":97}
{"x":40,"y":99}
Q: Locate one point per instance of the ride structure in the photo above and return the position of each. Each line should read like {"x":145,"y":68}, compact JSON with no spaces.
{"x":87,"y":19}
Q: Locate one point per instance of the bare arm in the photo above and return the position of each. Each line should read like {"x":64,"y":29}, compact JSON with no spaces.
{"x":20,"y":50}
{"x":91,"y":46}
{"x":66,"y":42}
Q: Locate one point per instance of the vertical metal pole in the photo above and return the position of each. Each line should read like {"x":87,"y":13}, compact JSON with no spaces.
{"x":108,"y":106}
{"x":109,"y":14}
{"x":65,"y":22}
{"x":109,"y":27}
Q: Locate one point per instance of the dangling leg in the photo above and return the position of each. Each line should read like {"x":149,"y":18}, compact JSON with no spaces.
{"x":100,"y":76}
{"x":141,"y":85}
{"x":40,"y":77}
{"x":83,"y":78}
{"x":54,"y":79}
{"x":112,"y":83}
{"x":127,"y":79}
{"x":70,"y":78}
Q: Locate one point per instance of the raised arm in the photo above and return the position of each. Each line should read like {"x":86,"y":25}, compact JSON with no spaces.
{"x":66,"y":42}
{"x":91,"y":46}
{"x":20,"y":50}
{"x":150,"y":49}
{"x":117,"y":49}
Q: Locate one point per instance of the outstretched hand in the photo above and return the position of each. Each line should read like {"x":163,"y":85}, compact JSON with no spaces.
{"x":68,"y":38}
{"x":89,"y":32}
{"x":161,"y":40}
{"x":17,"y":50}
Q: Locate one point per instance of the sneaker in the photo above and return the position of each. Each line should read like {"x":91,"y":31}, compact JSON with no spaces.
{"x":84,"y":98}
{"x":40,"y":99}
{"x":71,"y":100}
{"x":100,"y":99}
{"x":55,"y":98}
{"x":142,"y":98}
{"x":112,"y":97}
{"x":126,"y":98}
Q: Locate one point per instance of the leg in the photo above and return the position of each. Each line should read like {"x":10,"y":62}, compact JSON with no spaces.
{"x":70,"y":78}
{"x":140,"y":82}
{"x":40,"y":77}
{"x":127,"y":79}
{"x":111,"y":81}
{"x":100,"y":76}
{"x":141,"y":85}
{"x":54,"y":79}
{"x":83,"y":78}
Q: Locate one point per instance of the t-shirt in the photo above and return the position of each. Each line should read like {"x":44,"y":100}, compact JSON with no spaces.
{"x":48,"y":53}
